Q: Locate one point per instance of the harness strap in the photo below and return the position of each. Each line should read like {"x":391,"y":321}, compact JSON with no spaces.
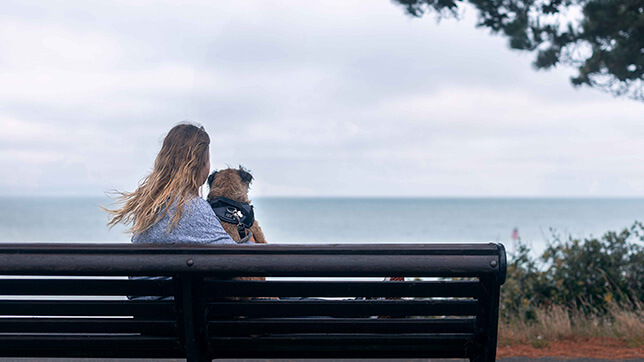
{"x":234,"y":212}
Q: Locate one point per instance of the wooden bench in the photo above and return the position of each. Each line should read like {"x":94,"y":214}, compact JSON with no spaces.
{"x":321,"y":301}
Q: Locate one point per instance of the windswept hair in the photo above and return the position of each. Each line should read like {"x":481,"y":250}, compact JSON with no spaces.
{"x":175,"y":178}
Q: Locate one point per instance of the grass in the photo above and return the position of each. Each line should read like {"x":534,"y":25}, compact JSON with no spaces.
{"x":557,"y":323}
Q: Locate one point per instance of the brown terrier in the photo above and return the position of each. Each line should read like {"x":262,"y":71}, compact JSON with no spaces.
{"x":229,"y":194}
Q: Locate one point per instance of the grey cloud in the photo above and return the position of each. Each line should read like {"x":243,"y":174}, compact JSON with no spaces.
{"x":316,"y":98}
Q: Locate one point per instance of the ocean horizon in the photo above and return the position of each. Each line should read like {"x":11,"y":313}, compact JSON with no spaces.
{"x":330,"y":220}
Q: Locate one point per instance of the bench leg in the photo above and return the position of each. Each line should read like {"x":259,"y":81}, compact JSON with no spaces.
{"x":190,"y":321}
{"x":488,"y":315}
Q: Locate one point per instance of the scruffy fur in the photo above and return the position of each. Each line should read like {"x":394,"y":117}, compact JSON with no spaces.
{"x":233,"y":184}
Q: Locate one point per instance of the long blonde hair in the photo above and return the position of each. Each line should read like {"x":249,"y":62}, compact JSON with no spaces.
{"x":176,"y":177}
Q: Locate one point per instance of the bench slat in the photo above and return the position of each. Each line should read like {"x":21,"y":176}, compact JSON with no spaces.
{"x":81,"y":345}
{"x":352,"y":346}
{"x":85,"y":287}
{"x":86,"y":325}
{"x":235,"y":288}
{"x":332,"y":308}
{"x":339,"y":325}
{"x":85,"y":308}
{"x":429,"y":260}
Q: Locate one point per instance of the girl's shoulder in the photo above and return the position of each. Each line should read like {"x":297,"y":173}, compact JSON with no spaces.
{"x":201,"y":223}
{"x":199,"y":204}
{"x":198,"y":224}
{"x":200,"y":208}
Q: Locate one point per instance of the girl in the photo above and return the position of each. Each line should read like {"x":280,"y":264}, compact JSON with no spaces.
{"x":167,"y":207}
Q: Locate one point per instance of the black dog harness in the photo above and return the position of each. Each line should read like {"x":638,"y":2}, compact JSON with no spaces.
{"x":233,"y":212}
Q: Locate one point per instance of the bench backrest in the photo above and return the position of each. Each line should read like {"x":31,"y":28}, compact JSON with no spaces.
{"x":203,"y":303}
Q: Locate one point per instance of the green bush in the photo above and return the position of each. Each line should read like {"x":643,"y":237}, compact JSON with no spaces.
{"x":588,"y":275}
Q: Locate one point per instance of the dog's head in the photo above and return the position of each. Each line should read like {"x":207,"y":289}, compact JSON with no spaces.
{"x":231,"y":183}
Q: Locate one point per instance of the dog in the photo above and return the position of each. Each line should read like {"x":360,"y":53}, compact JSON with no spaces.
{"x":228,"y":196}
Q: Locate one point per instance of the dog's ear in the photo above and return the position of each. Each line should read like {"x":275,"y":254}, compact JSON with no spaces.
{"x":211,"y":178}
{"x":245,"y":176}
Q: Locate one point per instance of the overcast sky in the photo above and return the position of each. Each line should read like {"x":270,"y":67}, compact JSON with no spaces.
{"x":324,"y":98}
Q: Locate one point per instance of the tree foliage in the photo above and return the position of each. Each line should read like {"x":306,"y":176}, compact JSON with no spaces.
{"x":603,"y":39}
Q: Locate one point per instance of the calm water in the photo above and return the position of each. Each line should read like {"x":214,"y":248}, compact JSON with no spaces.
{"x":338,"y":220}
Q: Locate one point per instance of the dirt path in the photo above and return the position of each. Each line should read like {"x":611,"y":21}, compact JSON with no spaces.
{"x":603,"y":348}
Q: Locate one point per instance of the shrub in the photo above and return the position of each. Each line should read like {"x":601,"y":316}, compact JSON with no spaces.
{"x":589,"y":275}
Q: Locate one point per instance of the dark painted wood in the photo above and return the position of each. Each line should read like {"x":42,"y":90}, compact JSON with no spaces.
{"x":437,"y":260}
{"x":186,"y":291}
{"x":86,"y":325}
{"x":247,"y":327}
{"x":488,"y":316}
{"x":347,"y":346}
{"x":80,"y":345}
{"x":85,"y":287}
{"x":232,"y":288}
{"x":211,"y":315}
{"x":84,"y":308}
{"x":342,"y":308}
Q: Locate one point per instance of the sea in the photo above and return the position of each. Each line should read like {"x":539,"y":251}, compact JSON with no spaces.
{"x":351,"y":220}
